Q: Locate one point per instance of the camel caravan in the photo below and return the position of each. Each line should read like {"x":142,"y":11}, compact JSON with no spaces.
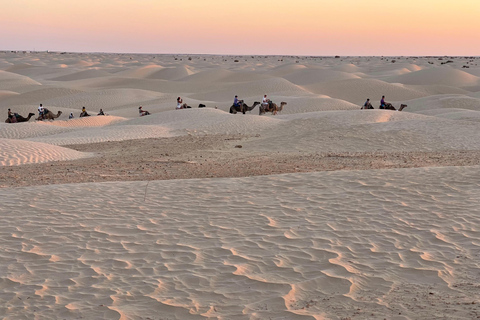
{"x":383,"y":105}
{"x":43,"y":114}
{"x":265,"y":106}
{"x":238,"y":106}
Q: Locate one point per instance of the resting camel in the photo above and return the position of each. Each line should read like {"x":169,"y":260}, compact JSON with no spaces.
{"x":49,"y":115}
{"x":272,"y":107}
{"x":389,"y":106}
{"x":20,"y":118}
{"x":243,"y":107}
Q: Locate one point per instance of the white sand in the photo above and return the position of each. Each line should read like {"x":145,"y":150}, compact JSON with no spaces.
{"x":371,"y":244}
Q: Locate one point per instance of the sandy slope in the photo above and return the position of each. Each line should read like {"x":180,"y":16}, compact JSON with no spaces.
{"x":368,"y":244}
{"x":401,"y":244}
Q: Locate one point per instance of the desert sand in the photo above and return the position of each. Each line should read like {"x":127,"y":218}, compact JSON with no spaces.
{"x":323,"y":211}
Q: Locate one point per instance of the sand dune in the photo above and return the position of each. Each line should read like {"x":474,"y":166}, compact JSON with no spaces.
{"x":440,"y":75}
{"x":14,"y":82}
{"x":309,"y":76}
{"x":444,"y":101}
{"x":253,"y":89}
{"x":225,"y":250}
{"x":18,"y":152}
{"x":222,"y":75}
{"x":171,"y":73}
{"x":86,"y":74}
{"x":6,"y":94}
{"x":453,"y":114}
{"x":332,"y":239}
{"x":358,"y":90}
{"x":41,"y":94}
{"x":108,"y":99}
{"x":141,"y":73}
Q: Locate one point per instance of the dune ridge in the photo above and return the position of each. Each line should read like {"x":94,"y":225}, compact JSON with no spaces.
{"x":323,"y":211}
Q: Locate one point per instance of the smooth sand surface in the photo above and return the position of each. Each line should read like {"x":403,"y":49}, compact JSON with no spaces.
{"x":323,"y":211}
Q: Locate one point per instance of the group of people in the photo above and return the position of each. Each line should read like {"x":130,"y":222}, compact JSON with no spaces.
{"x":383,"y":105}
{"x":84,"y":113}
{"x":265,"y":101}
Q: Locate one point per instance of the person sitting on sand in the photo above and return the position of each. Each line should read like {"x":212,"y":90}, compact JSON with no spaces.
{"x":84,"y":113}
{"x":143,"y":112}
{"x":101,"y":113}
{"x":180,"y":104}
{"x":71,"y":115}
{"x":367,"y":105}
{"x":12,"y":116}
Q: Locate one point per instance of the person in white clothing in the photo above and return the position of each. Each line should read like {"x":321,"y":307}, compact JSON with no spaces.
{"x":265,"y":101}
{"x":41,"y":110}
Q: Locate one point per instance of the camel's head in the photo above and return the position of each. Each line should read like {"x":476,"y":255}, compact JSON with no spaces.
{"x":59,"y":113}
{"x":283,"y":103}
{"x":31,"y":114}
{"x":256,"y":103}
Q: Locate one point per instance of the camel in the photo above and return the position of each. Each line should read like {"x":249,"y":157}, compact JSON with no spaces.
{"x":49,"y":115}
{"x":272,"y":107}
{"x":20,"y":118}
{"x":389,"y":106}
{"x":243,"y":107}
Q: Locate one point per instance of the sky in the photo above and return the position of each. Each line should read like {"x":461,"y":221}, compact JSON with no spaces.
{"x":246,"y":27}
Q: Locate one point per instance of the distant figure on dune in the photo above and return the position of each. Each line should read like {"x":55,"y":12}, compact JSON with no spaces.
{"x":383,"y":104}
{"x":84,"y":113}
{"x":48,"y":115}
{"x":242,"y":107}
{"x":367,"y":105}
{"x":388,"y":106}
{"x":142,"y":112}
{"x":101,"y":113}
{"x":14,"y":117}
{"x":41,"y":111}
{"x":11,"y":117}
{"x":265,"y":102}
{"x":236,"y":102}
{"x":180,"y":104}
{"x":71,"y":115}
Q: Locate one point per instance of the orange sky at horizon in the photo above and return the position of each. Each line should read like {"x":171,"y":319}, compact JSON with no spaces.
{"x":304,"y":27}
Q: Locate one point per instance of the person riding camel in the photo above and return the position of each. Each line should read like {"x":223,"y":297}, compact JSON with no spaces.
{"x":41,"y":111}
{"x":84,"y":113}
{"x":266,"y":102}
{"x":12,"y":116}
{"x":236,"y":102}
{"x":367,"y":105}
{"x":384,"y":104}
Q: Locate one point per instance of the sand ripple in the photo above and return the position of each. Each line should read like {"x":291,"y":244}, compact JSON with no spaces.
{"x":376,"y":244}
{"x":18,"y":152}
